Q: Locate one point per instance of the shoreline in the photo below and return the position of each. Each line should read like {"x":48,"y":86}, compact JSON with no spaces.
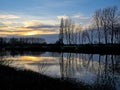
{"x":87,"y":48}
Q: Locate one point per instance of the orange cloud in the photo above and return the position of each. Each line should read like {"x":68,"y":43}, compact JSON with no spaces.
{"x":12,"y":25}
{"x":25,"y":31}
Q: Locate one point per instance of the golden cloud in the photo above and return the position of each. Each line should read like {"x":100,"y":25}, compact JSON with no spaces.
{"x":3,"y":27}
{"x":31,"y":23}
{"x":25,"y":31}
{"x":11,"y":25}
{"x":7,"y":22}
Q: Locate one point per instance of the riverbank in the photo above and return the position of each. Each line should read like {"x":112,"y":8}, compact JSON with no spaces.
{"x":13,"y":79}
{"x":86,"y":48}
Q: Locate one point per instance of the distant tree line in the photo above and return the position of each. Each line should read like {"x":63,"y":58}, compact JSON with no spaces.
{"x":21,"y":41}
{"x":105,"y":27}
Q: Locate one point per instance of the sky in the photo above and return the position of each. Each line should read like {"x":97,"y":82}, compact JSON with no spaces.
{"x":42,"y":17}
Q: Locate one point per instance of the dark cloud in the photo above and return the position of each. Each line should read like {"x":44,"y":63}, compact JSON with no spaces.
{"x":43,"y":26}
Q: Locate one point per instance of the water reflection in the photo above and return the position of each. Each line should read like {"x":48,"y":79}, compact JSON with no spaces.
{"x":101,"y":72}
{"x":2,"y":59}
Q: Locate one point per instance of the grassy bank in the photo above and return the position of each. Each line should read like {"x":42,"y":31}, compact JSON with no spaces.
{"x":13,"y":79}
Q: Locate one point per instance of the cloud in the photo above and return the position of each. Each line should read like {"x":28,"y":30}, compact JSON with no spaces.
{"x":63,"y":16}
{"x":8,"y":16}
{"x":32,"y":23}
{"x":82,"y":19}
{"x":22,"y":24}
{"x":7,"y":22}
{"x":25,"y":31}
{"x":1,"y":24}
{"x":80,"y":16}
{"x":43,"y":26}
{"x":3,"y":28}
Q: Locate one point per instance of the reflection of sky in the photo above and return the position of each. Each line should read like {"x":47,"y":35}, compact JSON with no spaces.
{"x":32,"y":62}
{"x":30,"y":58}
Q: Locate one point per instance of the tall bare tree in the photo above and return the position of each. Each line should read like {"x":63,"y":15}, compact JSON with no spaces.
{"x":97,"y":21}
{"x":114,"y":19}
{"x":85,"y":36}
{"x":61,"y":34}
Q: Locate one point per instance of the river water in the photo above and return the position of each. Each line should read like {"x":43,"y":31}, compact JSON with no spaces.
{"x":91,"y":69}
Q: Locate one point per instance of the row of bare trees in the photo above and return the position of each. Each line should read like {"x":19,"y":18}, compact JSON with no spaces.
{"x":105,"y":26}
{"x":69,"y":32}
{"x":108,"y":20}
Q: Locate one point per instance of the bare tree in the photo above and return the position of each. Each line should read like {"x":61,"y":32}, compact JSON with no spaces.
{"x":107,"y":19}
{"x":97,"y":21}
{"x":66,"y":31}
{"x":114,"y":19}
{"x":69,"y":31}
{"x":85,"y":36}
{"x":79,"y":29}
{"x":61,"y":36}
{"x":105,"y":23}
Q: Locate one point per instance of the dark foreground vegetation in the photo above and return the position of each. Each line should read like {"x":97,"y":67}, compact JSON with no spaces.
{"x":13,"y":79}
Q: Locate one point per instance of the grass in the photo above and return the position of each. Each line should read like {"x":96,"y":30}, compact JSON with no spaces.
{"x":13,"y":79}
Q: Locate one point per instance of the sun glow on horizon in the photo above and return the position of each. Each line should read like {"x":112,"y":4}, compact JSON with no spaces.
{"x":31,"y":33}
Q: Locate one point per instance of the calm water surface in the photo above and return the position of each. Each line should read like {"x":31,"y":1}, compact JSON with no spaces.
{"x":91,"y":69}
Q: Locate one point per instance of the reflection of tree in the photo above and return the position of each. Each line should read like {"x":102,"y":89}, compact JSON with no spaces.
{"x":65,"y":65}
{"x":105,"y":69}
{"x":69,"y":65}
{"x":21,"y":53}
{"x":117,"y":63}
{"x":2,"y":59}
{"x":62,"y":66}
{"x":42,"y":67}
{"x":106,"y":78}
